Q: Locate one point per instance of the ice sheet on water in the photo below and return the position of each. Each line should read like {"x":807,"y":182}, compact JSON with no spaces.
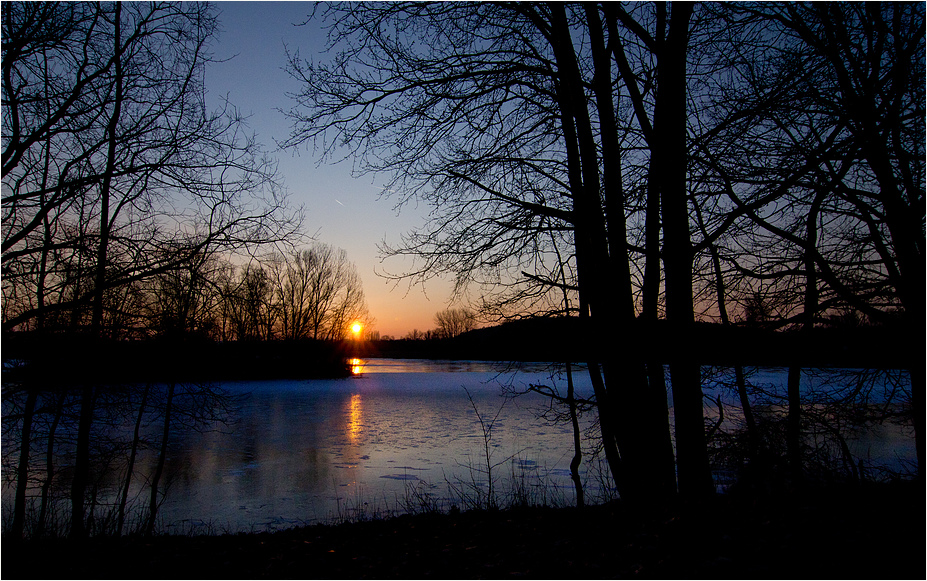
{"x":417,"y":376}
{"x":446,"y":365}
{"x":773,"y":381}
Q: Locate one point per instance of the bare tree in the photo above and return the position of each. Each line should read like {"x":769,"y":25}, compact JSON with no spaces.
{"x":111,"y":155}
{"x":453,"y":322}
{"x":247,"y":304}
{"x":498,"y":134}
{"x":186,"y":300}
{"x":111,"y":161}
{"x":318,"y":293}
{"x":872,"y":62}
{"x":659,"y":154}
{"x":835,"y":195}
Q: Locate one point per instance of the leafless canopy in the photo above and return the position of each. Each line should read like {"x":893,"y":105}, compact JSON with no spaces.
{"x":113,"y":167}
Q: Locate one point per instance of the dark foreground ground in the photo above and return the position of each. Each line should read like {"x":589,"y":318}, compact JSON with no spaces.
{"x":845,"y":533}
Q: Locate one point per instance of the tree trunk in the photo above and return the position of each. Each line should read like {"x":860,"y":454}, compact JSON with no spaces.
{"x":600,"y":275}
{"x":22,"y":471}
{"x":159,"y":470}
{"x":81,"y":462}
{"x":645,"y":441}
{"x":131,"y":465}
{"x":793,"y":424}
{"x":916,"y":373}
{"x":753,"y":435}
{"x":586,"y":269}
{"x":82,"y":454}
{"x":577,"y":441}
{"x":606,"y":429}
{"x":96,"y":321}
{"x":49,"y":464}
{"x":694,"y":474}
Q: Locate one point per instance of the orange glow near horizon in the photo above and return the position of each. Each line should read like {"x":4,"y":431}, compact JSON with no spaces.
{"x":357,"y":366}
{"x":356,"y":329}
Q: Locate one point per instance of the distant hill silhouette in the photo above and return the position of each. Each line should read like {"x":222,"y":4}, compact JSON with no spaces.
{"x":568,"y":339}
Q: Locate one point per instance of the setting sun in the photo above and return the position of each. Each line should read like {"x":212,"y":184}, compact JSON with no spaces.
{"x":356,"y":328}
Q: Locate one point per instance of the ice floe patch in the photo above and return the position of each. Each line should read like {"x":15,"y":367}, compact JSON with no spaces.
{"x":400,"y":476}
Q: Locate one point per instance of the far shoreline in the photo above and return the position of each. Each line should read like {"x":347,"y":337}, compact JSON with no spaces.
{"x":66,"y":359}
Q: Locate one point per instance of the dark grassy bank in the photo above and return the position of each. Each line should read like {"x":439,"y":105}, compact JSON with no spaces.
{"x":868,"y":532}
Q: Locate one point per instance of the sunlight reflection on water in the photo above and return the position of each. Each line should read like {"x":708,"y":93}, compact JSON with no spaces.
{"x":401,"y":431}
{"x":315,"y":449}
{"x":304,"y":451}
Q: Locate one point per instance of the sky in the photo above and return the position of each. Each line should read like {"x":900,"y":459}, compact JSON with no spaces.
{"x":341,"y":210}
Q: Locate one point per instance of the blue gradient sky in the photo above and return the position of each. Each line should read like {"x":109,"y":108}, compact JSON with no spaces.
{"x":341,"y":210}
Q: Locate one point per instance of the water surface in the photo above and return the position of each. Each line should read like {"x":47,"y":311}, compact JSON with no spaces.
{"x":402,"y":434}
{"x":310,"y":450}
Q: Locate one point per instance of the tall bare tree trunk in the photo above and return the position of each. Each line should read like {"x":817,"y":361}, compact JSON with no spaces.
{"x":793,"y":425}
{"x":693,"y":470}
{"x":96,"y":320}
{"x":646,"y":443}
{"x":916,"y":373}
{"x":589,"y":250}
{"x":82,"y":453}
{"x":571,"y":397}
{"x":81,"y":463}
{"x":584,"y":245}
{"x":577,"y":441}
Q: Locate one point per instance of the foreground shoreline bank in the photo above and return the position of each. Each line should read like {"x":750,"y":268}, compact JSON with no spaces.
{"x":835,"y":532}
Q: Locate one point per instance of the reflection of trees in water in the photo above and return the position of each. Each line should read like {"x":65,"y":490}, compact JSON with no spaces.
{"x":856,"y":424}
{"x":134,"y":428}
{"x":844,"y":412}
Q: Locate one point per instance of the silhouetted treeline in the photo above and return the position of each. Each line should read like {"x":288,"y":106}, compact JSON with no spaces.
{"x":308,"y":293}
{"x":572,"y":339}
{"x":64,"y":359}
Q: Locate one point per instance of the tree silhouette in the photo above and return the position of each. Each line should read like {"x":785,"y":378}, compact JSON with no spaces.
{"x":453,"y":322}
{"x":111,"y":162}
{"x":113,"y":169}
{"x":821,"y":162}
{"x":658,"y":154}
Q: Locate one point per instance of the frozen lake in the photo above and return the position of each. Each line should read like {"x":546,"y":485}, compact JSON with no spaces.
{"x":400,"y":435}
{"x":305,"y":451}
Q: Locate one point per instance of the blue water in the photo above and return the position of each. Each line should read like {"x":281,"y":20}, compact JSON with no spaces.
{"x":411,"y":434}
{"x":400,"y":430}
